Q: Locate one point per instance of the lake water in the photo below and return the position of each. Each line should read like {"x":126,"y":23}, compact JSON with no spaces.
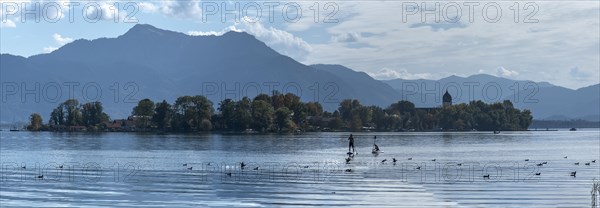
{"x":134,"y":170}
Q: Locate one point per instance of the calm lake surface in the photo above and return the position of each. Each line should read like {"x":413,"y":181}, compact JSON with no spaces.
{"x":135,"y":170}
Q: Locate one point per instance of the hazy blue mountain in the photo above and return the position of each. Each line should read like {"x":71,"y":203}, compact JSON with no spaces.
{"x":545,"y":100}
{"x":362,"y":84}
{"x":558,"y":103}
{"x":147,"y":62}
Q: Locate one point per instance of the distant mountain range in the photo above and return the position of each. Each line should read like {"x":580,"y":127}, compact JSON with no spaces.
{"x":546,"y":101}
{"x":147,"y":62}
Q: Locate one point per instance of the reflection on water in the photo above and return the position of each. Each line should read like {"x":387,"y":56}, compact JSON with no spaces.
{"x":120,"y":169}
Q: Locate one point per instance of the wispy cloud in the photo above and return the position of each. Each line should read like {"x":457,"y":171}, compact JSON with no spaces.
{"x":387,"y":74}
{"x":184,"y":9}
{"x":7,"y":24}
{"x":59,"y":40}
{"x":282,"y":41}
{"x":465,"y":47}
{"x":346,"y":37}
{"x":503,"y":72}
{"x":439,"y":26}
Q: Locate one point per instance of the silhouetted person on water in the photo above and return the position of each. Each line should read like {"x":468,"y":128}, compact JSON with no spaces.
{"x":375,"y":147}
{"x":351,"y":143}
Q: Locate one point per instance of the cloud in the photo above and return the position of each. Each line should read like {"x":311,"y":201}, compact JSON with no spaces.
{"x":386,"y":74}
{"x":104,"y":10}
{"x":148,"y":7}
{"x":575,"y":72}
{"x":503,"y":72}
{"x":346,"y":38}
{"x":215,"y":33}
{"x":49,"y":49}
{"x":208,"y":33}
{"x":51,"y":11}
{"x":279,"y":40}
{"x":59,"y":40}
{"x":185,"y":9}
{"x":439,"y":26}
{"x":7,"y":24}
{"x":467,"y":46}
{"x":283,"y":42}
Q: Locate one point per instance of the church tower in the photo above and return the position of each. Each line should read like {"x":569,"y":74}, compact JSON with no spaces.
{"x":446,"y":99}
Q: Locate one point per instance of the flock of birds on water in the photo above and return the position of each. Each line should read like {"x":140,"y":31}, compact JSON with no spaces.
{"x":349,"y":159}
{"x":242,"y":166}
{"x":486,"y":176}
{"x":394,"y":160}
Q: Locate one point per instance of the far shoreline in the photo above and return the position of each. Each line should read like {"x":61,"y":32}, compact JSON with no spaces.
{"x":301,"y":133}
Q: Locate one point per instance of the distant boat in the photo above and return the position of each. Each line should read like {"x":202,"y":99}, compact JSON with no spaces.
{"x":573,"y":129}
{"x":14,"y":127}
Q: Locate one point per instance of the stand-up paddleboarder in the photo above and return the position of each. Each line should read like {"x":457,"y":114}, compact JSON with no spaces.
{"x":351,"y":144}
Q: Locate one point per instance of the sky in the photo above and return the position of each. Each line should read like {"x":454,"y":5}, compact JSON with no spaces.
{"x":550,"y":41}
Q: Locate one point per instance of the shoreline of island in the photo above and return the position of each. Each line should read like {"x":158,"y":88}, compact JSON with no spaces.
{"x":284,"y":113}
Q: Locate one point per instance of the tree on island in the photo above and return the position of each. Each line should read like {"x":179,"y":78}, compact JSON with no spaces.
{"x":287,"y":113}
{"x":35,"y":122}
{"x":143,"y":112}
{"x":162,"y":115}
{"x":70,"y":113}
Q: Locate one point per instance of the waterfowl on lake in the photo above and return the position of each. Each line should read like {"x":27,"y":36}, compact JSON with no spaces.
{"x":375,"y":149}
{"x":544,"y":162}
{"x":418,"y":167}
{"x":394,"y":160}
{"x":348,"y":160}
{"x":184,"y":164}
{"x":540,"y":164}
{"x":40,"y":176}
{"x":190,"y":168}
{"x":242,"y":165}
{"x":577,"y":163}
{"x":228,"y":174}
{"x":573,"y":173}
{"x":24,"y":167}
{"x":538,"y":174}
{"x":348,"y":170}
{"x":587,"y":163}
{"x":593,"y":161}
{"x":306,"y":166}
{"x":459,"y":164}
{"x":256,"y":168}
{"x":410,"y":158}
{"x":60,"y":166}
{"x":433,"y":160}
{"x":565,"y":157}
{"x":526,"y":160}
{"x":383,"y":161}
{"x":486,"y":176}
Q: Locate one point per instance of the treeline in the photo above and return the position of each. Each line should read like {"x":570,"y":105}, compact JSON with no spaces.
{"x":287,"y":113}
{"x":578,"y":123}
{"x":71,"y":115}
